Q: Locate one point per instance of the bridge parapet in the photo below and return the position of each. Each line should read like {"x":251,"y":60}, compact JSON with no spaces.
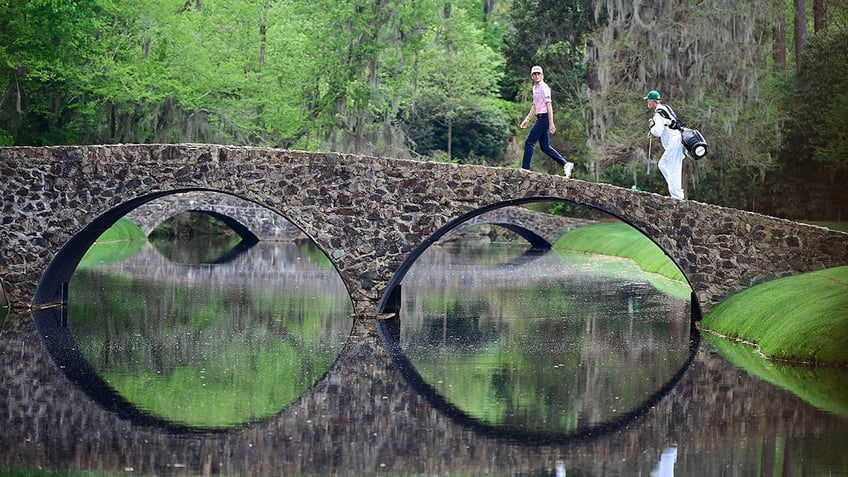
{"x":370,"y":215}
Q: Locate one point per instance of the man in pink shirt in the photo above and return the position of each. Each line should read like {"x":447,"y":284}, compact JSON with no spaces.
{"x":544,"y":125}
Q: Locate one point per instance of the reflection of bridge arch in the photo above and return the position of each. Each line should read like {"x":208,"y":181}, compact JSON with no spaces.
{"x":295,"y":276}
{"x":247,"y":237}
{"x":541,"y":266}
{"x":291,"y":271}
{"x":389,"y":330}
{"x":63,"y":348}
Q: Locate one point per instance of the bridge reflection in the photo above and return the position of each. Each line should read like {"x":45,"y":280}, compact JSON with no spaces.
{"x":364,"y":418}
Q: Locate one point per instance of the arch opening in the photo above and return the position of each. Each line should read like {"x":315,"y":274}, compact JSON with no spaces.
{"x":478,"y":338}
{"x":194,"y":347}
{"x":215,"y":237}
{"x":386,"y":302}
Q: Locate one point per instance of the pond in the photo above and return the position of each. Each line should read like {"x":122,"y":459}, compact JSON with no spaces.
{"x":501,"y":361}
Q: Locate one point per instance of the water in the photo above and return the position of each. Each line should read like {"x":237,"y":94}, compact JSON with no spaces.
{"x":541,"y":345}
{"x":204,"y":347}
{"x":500,"y":363}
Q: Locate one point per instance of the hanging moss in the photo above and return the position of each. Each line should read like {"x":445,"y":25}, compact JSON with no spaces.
{"x":704,"y":57}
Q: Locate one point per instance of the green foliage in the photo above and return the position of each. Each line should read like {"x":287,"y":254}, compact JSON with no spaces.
{"x":820,"y":115}
{"x":478,"y":129}
{"x":813,"y":166}
{"x":411,"y":79}
{"x":553,"y":34}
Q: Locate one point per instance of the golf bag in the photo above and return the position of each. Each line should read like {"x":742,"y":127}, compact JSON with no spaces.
{"x":694,"y":144}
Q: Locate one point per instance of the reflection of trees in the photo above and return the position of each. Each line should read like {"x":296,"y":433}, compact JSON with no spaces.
{"x":209,"y":352}
{"x":540,"y":344}
{"x":460,"y":325}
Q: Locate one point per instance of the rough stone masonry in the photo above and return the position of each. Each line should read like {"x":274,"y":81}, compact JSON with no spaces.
{"x":370,"y":215}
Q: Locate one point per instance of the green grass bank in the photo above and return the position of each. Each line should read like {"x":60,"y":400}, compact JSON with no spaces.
{"x":124,"y":238}
{"x":800,"y":319}
{"x":618,"y":239}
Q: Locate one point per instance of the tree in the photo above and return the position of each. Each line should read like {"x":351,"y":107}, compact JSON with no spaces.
{"x":779,"y":33}
{"x":800,"y":28}
{"x":53,"y":52}
{"x":814,"y":154}
{"x":821,"y":101}
{"x":819,"y":15}
{"x":707,"y":61}
{"x":457,"y":73}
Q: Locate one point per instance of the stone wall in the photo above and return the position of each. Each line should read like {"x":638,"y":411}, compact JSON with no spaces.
{"x":265,"y":224}
{"x":372,"y":216}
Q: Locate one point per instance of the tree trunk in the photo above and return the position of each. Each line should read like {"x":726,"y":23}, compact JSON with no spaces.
{"x":592,"y":79}
{"x":263,"y":34}
{"x":780,"y":36}
{"x":819,"y":15}
{"x":488,"y":7}
{"x":450,"y":138}
{"x":800,"y":29}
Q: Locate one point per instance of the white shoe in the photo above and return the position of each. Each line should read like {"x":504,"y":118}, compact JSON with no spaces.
{"x":567,"y":169}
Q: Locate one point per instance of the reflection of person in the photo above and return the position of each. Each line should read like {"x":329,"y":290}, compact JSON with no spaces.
{"x":544,"y":125}
{"x":671,"y":162}
{"x":665,"y":467}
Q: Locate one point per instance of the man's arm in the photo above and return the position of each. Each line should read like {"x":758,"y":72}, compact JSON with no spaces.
{"x":657,"y":125}
{"x":551,"y":126}
{"x":529,"y":115}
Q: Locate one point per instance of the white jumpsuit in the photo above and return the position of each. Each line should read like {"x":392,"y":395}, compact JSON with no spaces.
{"x":671,"y":162}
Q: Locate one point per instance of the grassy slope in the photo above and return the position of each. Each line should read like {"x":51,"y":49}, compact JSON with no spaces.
{"x":621,"y":240}
{"x":123,"y":229}
{"x":838,"y":226}
{"x":802,"y":318}
{"x":121,"y":240}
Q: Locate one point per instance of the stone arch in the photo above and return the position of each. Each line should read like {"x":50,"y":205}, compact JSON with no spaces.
{"x":540,"y":230}
{"x":536,"y":241}
{"x":390,"y":300}
{"x":264,"y":223}
{"x":52,"y":288}
{"x":247,"y":236}
{"x":369,"y":212}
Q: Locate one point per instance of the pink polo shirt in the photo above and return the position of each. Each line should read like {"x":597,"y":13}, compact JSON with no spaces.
{"x":541,"y":97}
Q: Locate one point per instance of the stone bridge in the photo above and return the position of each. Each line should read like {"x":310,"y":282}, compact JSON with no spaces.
{"x":255,"y":222}
{"x":241,"y":215}
{"x":371,"y":216}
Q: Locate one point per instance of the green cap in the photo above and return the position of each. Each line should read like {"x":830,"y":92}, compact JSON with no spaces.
{"x":655,"y":95}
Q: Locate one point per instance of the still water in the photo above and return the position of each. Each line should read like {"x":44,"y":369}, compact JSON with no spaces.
{"x":540,"y":345}
{"x":500,"y":362}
